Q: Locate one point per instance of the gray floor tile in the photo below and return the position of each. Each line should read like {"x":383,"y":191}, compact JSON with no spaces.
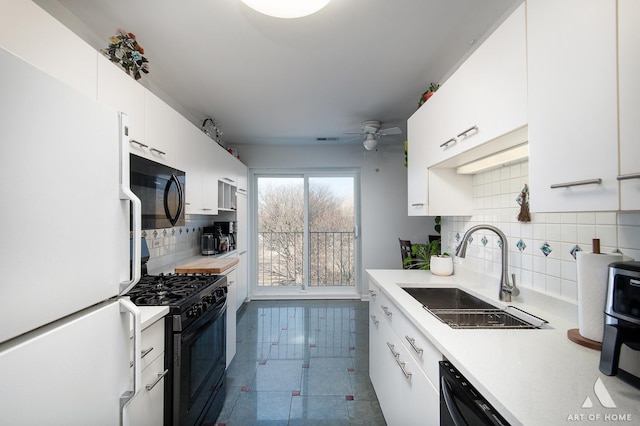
{"x":319,"y":410}
{"x":301,"y":363}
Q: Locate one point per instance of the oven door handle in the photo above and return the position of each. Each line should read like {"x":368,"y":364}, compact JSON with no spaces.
{"x":452,"y":408}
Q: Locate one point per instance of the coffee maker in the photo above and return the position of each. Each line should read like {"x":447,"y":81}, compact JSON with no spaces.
{"x":227,"y":229}
{"x":620,"y":354}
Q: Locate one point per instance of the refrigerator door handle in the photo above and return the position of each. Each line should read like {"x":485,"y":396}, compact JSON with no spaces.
{"x":127,"y":306}
{"x":136,"y":206}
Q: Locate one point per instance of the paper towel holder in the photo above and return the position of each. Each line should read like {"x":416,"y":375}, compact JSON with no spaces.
{"x":574,"y":335}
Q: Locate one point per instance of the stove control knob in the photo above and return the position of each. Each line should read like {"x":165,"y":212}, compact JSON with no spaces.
{"x":195,"y":311}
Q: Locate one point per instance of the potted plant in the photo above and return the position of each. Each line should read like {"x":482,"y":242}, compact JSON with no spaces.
{"x":433,"y":87}
{"x":421,"y":255}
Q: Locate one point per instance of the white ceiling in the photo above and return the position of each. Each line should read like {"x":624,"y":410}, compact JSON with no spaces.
{"x":270,"y":80}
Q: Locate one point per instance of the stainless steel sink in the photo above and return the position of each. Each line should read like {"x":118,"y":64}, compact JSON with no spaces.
{"x":459,"y":309}
{"x":447,"y":298}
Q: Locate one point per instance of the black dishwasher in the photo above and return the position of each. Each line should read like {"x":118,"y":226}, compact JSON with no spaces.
{"x":461,"y":404}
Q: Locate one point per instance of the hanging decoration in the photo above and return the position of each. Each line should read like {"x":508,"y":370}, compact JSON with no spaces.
{"x":523,"y":200}
{"x":125,"y":51}
{"x":212,"y":128}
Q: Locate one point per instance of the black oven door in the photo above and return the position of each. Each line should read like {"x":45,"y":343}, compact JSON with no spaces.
{"x":199,"y":369}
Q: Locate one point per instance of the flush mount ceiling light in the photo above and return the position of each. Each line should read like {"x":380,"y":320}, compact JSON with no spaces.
{"x":286,"y":8}
{"x":370,"y":142}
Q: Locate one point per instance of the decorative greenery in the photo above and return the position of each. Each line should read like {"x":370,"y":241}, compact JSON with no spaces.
{"x":433,"y":87}
{"x":125,"y":51}
{"x":421,"y":255}
{"x":437,"y":226}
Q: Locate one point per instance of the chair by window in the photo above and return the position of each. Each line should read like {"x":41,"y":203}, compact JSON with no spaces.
{"x":405,"y":252}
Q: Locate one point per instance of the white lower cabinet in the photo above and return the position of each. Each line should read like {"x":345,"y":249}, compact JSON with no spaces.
{"x":147,"y":408}
{"x":232,"y":287}
{"x":403,"y":385}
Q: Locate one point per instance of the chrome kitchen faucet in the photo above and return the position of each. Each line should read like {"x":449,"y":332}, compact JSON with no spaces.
{"x":506,"y":289}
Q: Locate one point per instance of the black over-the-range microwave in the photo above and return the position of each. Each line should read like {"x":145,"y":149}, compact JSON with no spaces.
{"x":161,"y":190}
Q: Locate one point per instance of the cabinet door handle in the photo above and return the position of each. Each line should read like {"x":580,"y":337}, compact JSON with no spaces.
{"x":386,"y":310}
{"x":401,"y":364}
{"x":404,"y":370}
{"x":417,"y":204}
{"x":392,"y":349}
{"x":450,"y":141}
{"x":140,"y":144}
{"x":629,"y":176}
{"x":372,"y":293}
{"x":412,"y":342}
{"x":466,"y":132}
{"x":160,"y":376}
{"x":375,"y":320}
{"x":158,"y":151}
{"x":597,"y":181}
{"x":206,"y":210}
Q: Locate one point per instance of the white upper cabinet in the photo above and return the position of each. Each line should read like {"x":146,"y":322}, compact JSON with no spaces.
{"x":189,"y":160}
{"x":121,"y":92}
{"x":417,"y":177}
{"x":573,"y":127}
{"x":160,"y":130}
{"x":629,"y":101}
{"x":486,"y":97}
{"x":29,"y":32}
{"x":482,"y":101}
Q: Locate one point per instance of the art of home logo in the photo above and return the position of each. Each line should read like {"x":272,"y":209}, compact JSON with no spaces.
{"x":605,"y":400}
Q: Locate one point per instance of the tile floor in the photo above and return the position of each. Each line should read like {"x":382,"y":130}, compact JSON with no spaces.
{"x":301,"y":363}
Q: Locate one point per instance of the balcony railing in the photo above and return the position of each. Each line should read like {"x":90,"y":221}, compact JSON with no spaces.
{"x":331,"y":259}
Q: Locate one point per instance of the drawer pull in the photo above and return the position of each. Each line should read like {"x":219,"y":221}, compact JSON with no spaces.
{"x":158,"y":151}
{"x":412,"y":342}
{"x":386,"y":310}
{"x":160,"y":376}
{"x":629,"y":176}
{"x":417,"y":204}
{"x":466,"y":132}
{"x":375,"y":320}
{"x":597,"y":181}
{"x":446,"y":144}
{"x":143,"y":353}
{"x":140,"y":144}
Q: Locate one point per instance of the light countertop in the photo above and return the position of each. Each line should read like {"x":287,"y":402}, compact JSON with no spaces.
{"x":532,"y":377}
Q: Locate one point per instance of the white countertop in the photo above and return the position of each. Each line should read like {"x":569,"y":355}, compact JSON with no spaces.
{"x":532,"y":377}
{"x":151,"y":314}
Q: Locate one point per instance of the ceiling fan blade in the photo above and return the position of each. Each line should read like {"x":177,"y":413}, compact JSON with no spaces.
{"x":391,"y":131}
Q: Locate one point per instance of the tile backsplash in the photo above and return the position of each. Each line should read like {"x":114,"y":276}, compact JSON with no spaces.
{"x":541,"y":252}
{"x":170,"y":245}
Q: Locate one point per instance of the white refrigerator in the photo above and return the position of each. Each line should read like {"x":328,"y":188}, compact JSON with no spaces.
{"x":68,"y":338}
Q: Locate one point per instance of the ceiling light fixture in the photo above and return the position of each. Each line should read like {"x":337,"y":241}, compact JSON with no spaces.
{"x":286,"y":8}
{"x":370,"y":142}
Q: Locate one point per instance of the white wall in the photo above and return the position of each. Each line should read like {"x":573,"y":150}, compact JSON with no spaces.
{"x":494,"y":202}
{"x":383,"y":180}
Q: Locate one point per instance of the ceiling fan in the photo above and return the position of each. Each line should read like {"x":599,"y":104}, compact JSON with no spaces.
{"x":372,"y":133}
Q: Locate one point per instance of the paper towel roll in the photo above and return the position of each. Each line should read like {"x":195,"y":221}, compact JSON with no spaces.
{"x":592,"y":291}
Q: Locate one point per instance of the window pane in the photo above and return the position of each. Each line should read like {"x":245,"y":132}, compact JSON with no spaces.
{"x":331,"y":237}
{"x":280,"y":230}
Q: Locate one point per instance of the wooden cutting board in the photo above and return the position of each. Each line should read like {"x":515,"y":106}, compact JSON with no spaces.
{"x":207,"y":266}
